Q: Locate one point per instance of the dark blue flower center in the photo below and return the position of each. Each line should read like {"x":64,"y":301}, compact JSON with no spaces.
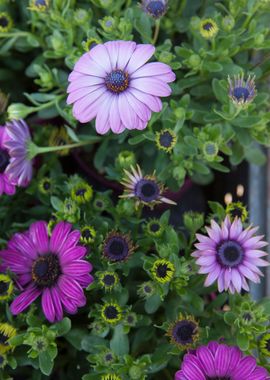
{"x":147,"y":190}
{"x":230,"y":254}
{"x":80,"y":192}
{"x":1,"y":360}
{"x":3,"y":21}
{"x":155,"y":227}
{"x":241,"y":93}
{"x":117,"y":81}
{"x":208,"y":26}
{"x":87,"y":234}
{"x":109,"y":279}
{"x":156,"y":8}
{"x":116,"y":248}
{"x":4,"y":160}
{"x":162,"y":270}
{"x":111,"y":312}
{"x":3,"y":339}
{"x":183,"y":332}
{"x":46,"y":270}
{"x":166,"y":139}
{"x":4,"y":287}
{"x":40,"y":2}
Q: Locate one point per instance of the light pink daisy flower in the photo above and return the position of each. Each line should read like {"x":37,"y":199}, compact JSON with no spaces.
{"x":230,"y":254}
{"x":114,"y":84}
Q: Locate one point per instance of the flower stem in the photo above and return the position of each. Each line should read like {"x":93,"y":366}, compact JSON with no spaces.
{"x":156,"y":33}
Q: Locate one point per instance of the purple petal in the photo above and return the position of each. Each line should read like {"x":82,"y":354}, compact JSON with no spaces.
{"x":70,"y":287}
{"x":126,"y":49}
{"x":151,"y":86}
{"x":88,"y":66}
{"x":140,"y":56}
{"x":59,"y":235}
{"x":24,"y":299}
{"x":100,"y":55}
{"x":153,"y":102}
{"x":244,"y":369}
{"x":39,"y":235}
{"x":128,"y":116}
{"x":113,"y":51}
{"x":48,"y":305}
{"x":102,"y":120}
{"x":57,"y":304}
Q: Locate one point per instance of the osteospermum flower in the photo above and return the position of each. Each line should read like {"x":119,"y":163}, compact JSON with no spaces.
{"x":108,"y":280}
{"x":230,"y":254}
{"x":117,"y":247}
{"x":6,"y":332}
{"x":155,"y":8}
{"x":5,"y":22}
{"x":53,"y":268}
{"x":166,"y":140}
{"x":219,"y":362}
{"x":82,"y":192}
{"x":111,"y":312}
{"x":183,"y":332}
{"x":154,"y":228}
{"x":113,"y":84}
{"x":6,"y":185}
{"x":45,"y":185}
{"x":162,"y":271}
{"x":145,"y":189}
{"x":20,"y":167}
{"x":208,"y":28}
{"x":242,"y":92}
{"x":88,"y":234}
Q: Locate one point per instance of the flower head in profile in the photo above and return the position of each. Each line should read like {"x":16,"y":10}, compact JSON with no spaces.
{"x":208,"y":28}
{"x":155,"y":8}
{"x":183,"y":332}
{"x":51,"y":267}
{"x":145,"y":189}
{"x":7,"y":186}
{"x":6,"y":286}
{"x":6,"y":332}
{"x":117,"y":247}
{"x":114,"y":84}
{"x":20,"y":167}
{"x":241,"y":91}
{"x":230,"y":255}
{"x":166,"y":140}
{"x":219,"y":362}
{"x":5,"y":22}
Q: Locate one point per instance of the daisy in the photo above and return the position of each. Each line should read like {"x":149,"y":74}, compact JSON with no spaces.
{"x":53,"y":268}
{"x":219,"y":362}
{"x":242,"y":92}
{"x":155,"y":8}
{"x":230,"y":254}
{"x":145,"y":189}
{"x":20,"y":167}
{"x":114,"y":84}
{"x":117,"y":247}
{"x":6,"y":185}
{"x":184,"y":332}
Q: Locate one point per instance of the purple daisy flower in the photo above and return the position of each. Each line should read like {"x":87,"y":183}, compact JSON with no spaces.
{"x":20,"y":168}
{"x":6,"y":186}
{"x":230,"y":254}
{"x":219,"y":362}
{"x":113,"y":83}
{"x":52,"y":268}
{"x":242,"y":92}
{"x":155,"y":8}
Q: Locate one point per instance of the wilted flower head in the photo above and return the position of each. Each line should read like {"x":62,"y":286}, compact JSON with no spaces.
{"x":51,"y":267}
{"x":113,"y":84}
{"x":242,"y":92}
{"x":145,"y":189}
{"x":117,"y":247}
{"x":155,"y":8}
{"x":230,"y":254}
{"x":20,"y":167}
{"x":219,"y":362}
{"x":208,"y":28}
{"x":5,"y":22}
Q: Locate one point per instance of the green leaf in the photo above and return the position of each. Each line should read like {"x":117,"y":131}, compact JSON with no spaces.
{"x":255,"y":156}
{"x":119,"y":342}
{"x":45,"y":363}
{"x":62,"y":327}
{"x":220,"y":90}
{"x":242,"y":341}
{"x":229,"y":318}
{"x":56,"y":203}
{"x":152,"y":304}
{"x":212,"y":66}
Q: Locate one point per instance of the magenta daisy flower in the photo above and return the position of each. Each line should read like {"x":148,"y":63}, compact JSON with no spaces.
{"x":230,"y":254}
{"x":219,"y":362}
{"x":52,"y":268}
{"x":6,"y":186}
{"x":20,"y":167}
{"x":113,"y":84}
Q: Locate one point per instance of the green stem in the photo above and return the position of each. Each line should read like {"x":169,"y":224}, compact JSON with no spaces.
{"x":15,"y":34}
{"x":156,"y":33}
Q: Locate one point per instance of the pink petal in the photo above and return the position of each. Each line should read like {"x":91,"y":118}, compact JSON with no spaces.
{"x":84,"y":81}
{"x":153,"y":102}
{"x":100,"y":55}
{"x":82,"y":92}
{"x":211,"y":278}
{"x":138,"y":107}
{"x":88,"y":66}
{"x":102,"y":120}
{"x":113,"y":51}
{"x":152,"y":69}
{"x":151,"y":86}
{"x":126,"y":49}
{"x":115,"y":120}
{"x":128,"y":116}
{"x":140,"y":56}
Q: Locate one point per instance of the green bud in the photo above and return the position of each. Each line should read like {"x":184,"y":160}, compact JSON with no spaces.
{"x":179,"y":113}
{"x":125,"y":26}
{"x":210,"y":150}
{"x":228,"y":23}
{"x":105,"y":3}
{"x":193,"y":221}
{"x":166,"y":57}
{"x":107,"y":23}
{"x":125,"y":207}
{"x":194,"y":60}
{"x":18,"y":111}
{"x":195,"y":23}
{"x":135,"y":373}
{"x":259,"y":39}
{"x":179,"y":173}
{"x":125,"y":159}
{"x":81,"y":16}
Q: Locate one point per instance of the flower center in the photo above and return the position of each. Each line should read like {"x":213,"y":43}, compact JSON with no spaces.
{"x":267,"y":345}
{"x":166,"y":139}
{"x":117,"y":81}
{"x":3,"y":339}
{"x":162,"y":270}
{"x":183,"y":332}
{"x":116,"y":249}
{"x":46,"y":270}
{"x":236,"y":212}
{"x":40,"y":2}
{"x":109,"y":279}
{"x":3,"y":21}
{"x":247,"y":317}
{"x":156,"y":8}
{"x":86,"y":233}
{"x":80,"y":192}
{"x":147,"y":190}
{"x":3,"y":287}
{"x":241,"y":93}
{"x":4,"y":160}
{"x":155,"y":227}
{"x":208,"y":26}
{"x":111,"y":312}
{"x":230,"y":253}
{"x":46,"y":185}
